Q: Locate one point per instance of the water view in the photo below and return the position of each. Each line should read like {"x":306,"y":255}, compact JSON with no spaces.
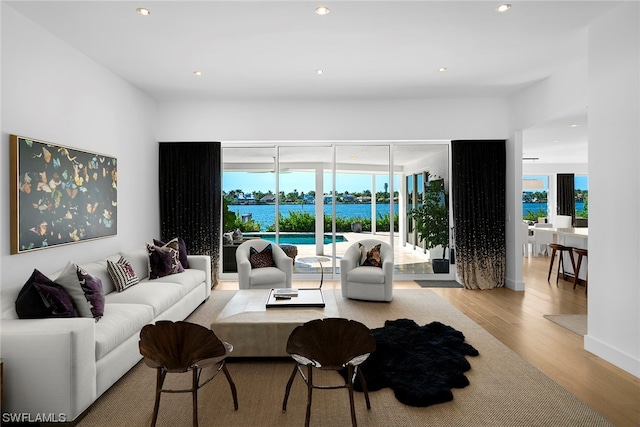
{"x":265,"y":214}
{"x":537,"y":207}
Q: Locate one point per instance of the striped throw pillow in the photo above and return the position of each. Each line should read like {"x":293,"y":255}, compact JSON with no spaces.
{"x":122,"y":274}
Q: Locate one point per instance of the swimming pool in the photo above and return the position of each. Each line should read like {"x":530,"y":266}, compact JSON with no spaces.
{"x":296,"y":238}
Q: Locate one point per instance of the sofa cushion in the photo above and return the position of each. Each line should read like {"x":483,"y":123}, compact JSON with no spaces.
{"x":122,"y":274}
{"x":40,"y":297}
{"x":267,"y":275}
{"x":120,"y":321}
{"x":366,"y":274}
{"x":157,"y":294}
{"x":85,"y":290}
{"x":189,"y":279}
{"x":163,"y":261}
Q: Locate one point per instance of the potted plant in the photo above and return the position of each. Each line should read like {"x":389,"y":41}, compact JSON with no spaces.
{"x":432,"y":222}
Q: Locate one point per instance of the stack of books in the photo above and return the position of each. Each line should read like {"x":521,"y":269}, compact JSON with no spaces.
{"x":285,"y":292}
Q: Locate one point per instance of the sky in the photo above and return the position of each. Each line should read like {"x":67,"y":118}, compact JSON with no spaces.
{"x":301,"y":181}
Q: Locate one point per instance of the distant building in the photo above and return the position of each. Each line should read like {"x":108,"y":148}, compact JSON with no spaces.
{"x":269,"y":198}
{"x":247,"y":199}
{"x":328,"y":198}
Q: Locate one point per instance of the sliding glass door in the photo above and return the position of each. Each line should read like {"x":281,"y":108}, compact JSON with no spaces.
{"x":249,"y":197}
{"x":304,"y":227}
{"x":317,"y":199}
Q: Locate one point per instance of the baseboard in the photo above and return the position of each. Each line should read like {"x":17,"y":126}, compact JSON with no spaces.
{"x":616,"y":357}
{"x":514,"y":285}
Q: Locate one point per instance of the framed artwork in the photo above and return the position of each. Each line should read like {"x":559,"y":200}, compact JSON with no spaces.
{"x":60,"y":195}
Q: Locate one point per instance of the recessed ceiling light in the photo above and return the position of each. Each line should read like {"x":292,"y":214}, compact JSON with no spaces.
{"x":322,"y":10}
{"x":503,"y":7}
{"x":142,"y":11}
{"x":573,"y":126}
{"x":319,"y":71}
{"x":197,"y":73}
{"x":442,"y":69}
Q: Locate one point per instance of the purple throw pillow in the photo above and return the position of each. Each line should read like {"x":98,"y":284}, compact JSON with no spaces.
{"x":163,"y":261}
{"x":40,"y":297}
{"x":93,"y":292}
{"x":182,"y":249}
{"x":57,"y":300}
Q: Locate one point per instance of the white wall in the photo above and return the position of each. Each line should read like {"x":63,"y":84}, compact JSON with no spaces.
{"x":334,"y":120}
{"x":563,"y":92}
{"x":608,"y":83}
{"x":614,"y":187}
{"x":53,"y":93}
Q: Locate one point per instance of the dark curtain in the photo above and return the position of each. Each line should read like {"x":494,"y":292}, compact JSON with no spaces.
{"x":478,"y":190}
{"x":566,"y":203}
{"x":190,"y":197}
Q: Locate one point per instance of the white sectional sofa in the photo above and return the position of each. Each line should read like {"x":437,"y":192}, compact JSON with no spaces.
{"x":56,"y":368}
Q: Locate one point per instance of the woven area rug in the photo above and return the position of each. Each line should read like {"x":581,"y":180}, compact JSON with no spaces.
{"x":576,"y":323}
{"x":438,"y":283}
{"x":503,"y":390}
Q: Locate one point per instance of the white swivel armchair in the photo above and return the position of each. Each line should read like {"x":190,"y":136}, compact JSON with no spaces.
{"x":255,"y":277}
{"x":367,"y":282}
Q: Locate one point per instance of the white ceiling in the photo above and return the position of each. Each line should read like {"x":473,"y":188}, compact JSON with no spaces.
{"x":364,"y":157}
{"x":368,"y":49}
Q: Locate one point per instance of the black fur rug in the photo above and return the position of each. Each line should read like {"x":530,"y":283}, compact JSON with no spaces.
{"x":420,"y":363}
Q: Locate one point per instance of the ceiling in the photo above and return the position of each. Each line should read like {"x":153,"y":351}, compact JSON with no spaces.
{"x":364,"y":157}
{"x":367,"y":49}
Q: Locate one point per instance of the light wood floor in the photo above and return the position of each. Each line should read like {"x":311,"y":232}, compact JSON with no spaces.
{"x":515,"y":318}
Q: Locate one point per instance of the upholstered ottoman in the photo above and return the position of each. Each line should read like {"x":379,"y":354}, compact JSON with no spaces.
{"x":257,"y":331}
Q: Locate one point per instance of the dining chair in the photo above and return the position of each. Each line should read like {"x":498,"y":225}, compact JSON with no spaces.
{"x":330,"y":344}
{"x":179,"y":347}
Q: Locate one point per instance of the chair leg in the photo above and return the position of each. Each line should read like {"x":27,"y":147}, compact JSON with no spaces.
{"x":159,"y":382}
{"x":560,"y":264}
{"x":309,"y":394}
{"x":577,"y":271}
{"x":234,"y":393}
{"x":573,"y":263}
{"x":586,"y":280}
{"x":288,"y":389}
{"x":553,"y":257}
{"x":194,"y":393}
{"x":351,"y":403}
{"x":365,"y":390}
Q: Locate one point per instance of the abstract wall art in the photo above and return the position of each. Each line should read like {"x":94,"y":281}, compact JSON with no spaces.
{"x":60,"y":195}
